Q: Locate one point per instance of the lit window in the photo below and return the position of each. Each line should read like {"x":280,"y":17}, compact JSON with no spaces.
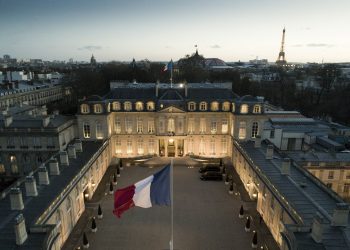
{"x":84,"y":108}
{"x":151,"y":126}
{"x":139,"y":106}
{"x":180,"y":127}
{"x":190,"y":145}
{"x":150,"y":106}
{"x":214,"y":106}
{"x":116,"y":105}
{"x":2,"y":169}
{"x":171,"y":125}
{"x":191,"y":106}
{"x":244,"y":109}
{"x":99,"y":131}
{"x":242,"y":133}
{"x":224,"y":145}
{"x":202,"y":126}
{"x":118,"y":125}
{"x":140,"y":146}
{"x":203,"y":106}
{"x":212,"y":146}
{"x":213,"y":127}
{"x":151,"y":146}
{"x":139,"y":126}
{"x":202,"y":146}
{"x":86,"y":130}
{"x":257,"y":109}
{"x":255,"y":129}
{"x":331,"y":175}
{"x":128,"y":125}
{"x":118,"y":146}
{"x":226,"y":106}
{"x":129,"y":146}
{"x":127,"y":106}
{"x":224,"y":126}
{"x":14,"y":167}
{"x":98,"y":108}
{"x":191,"y":125}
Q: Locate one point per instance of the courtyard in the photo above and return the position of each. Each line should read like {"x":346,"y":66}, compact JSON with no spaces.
{"x":205,"y":214}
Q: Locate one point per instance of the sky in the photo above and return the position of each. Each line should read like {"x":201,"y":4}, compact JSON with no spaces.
{"x":160,"y":30}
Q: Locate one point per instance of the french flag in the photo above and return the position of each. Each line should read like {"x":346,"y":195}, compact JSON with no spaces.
{"x":168,"y":66}
{"x":153,"y":190}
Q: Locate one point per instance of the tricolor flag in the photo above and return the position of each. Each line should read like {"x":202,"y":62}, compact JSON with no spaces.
{"x":153,"y":190}
{"x":168,"y":66}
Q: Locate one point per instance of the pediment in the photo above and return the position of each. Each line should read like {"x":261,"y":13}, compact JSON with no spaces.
{"x":171,"y":109}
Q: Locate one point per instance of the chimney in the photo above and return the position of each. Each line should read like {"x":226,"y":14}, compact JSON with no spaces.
{"x":8,"y":120}
{"x":46,"y":121}
{"x":54,"y":167}
{"x":285,"y":169}
{"x":43,"y":176}
{"x":71,"y":152}
{"x":269,"y":152}
{"x":157,"y":88}
{"x":64,"y":158}
{"x":20,"y":229}
{"x":340,"y":215}
{"x":16,"y":199}
{"x":30,"y":185}
{"x":257,"y":142}
{"x":78,"y":145}
{"x":317,"y":228}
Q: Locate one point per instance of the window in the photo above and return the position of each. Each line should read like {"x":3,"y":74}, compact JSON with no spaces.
{"x":255,"y":129}
{"x":331,"y":175}
{"x":84,"y":109}
{"x":202,"y":146}
{"x":202,"y":126}
{"x":139,"y":126}
{"x":37,"y":142}
{"x":244,"y":109}
{"x":99,"y":131}
{"x":151,"y":126}
{"x":257,"y":109}
{"x":224,"y":126}
{"x":242,"y":133}
{"x":171,"y":125}
{"x":2,"y":169}
{"x":224,"y":145}
{"x":14,"y":167}
{"x":190,"y":145}
{"x":50,"y":142}
{"x":140,"y":146}
{"x":161,"y":125}
{"x":191,"y":106}
{"x":24,"y":142}
{"x":151,"y":146}
{"x":233,"y":107}
{"x":347,"y":175}
{"x":180,"y":127}
{"x":118,"y":146}
{"x":128,"y":125}
{"x":212,"y":146}
{"x":272,"y":134}
{"x":10,"y":142}
{"x":203,"y":106}
{"x":116,"y":105}
{"x":127,"y":106}
{"x":118,"y":125}
{"x":213,"y":127}
{"x":139,"y":106}
{"x":150,"y":106}
{"x":226,"y":106}
{"x":214,"y":106}
{"x":98,"y":108}
{"x":86,"y":130}
{"x":191,"y":125}
{"x":129,"y":146}
{"x":346,"y":188}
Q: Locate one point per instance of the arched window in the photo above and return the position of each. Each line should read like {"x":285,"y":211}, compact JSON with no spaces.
{"x":127,"y":106}
{"x":139,"y":106}
{"x":255,"y":129}
{"x":84,"y":109}
{"x":150,"y":106}
{"x":257,"y":109}
{"x":191,"y":106}
{"x":214,"y":106}
{"x":244,"y":109}
{"x":203,"y":106}
{"x":116,"y":105}
{"x":226,"y":106}
{"x":98,"y":108}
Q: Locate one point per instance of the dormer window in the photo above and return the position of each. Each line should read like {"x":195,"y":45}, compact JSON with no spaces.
{"x":116,"y":105}
{"x":214,"y":106}
{"x":203,"y":106}
{"x":150,"y":106}
{"x":244,"y":109}
{"x":98,"y":108}
{"x":226,"y":106}
{"x":191,"y":106}
{"x":127,"y":106}
{"x":139,"y":106}
{"x":257,"y":109}
{"x":84,"y":109}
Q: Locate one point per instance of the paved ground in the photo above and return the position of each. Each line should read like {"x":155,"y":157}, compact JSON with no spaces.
{"x":205,"y":215}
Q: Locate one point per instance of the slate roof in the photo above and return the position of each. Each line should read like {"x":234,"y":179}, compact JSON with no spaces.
{"x":25,"y":121}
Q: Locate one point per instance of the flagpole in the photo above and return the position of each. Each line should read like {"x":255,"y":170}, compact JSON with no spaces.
{"x":171,"y":73}
{"x":172,"y":204}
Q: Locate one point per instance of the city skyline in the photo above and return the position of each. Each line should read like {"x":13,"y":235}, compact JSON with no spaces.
{"x":159,"y":31}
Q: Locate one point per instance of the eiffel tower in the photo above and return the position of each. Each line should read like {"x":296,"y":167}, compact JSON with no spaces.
{"x":281,"y":60}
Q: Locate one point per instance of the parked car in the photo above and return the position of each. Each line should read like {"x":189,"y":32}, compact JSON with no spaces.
{"x":211,"y":175}
{"x":209,"y":168}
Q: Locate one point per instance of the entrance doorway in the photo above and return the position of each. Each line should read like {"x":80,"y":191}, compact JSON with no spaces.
{"x":171,"y":147}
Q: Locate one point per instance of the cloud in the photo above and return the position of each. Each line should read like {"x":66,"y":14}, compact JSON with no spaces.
{"x":318,"y":45}
{"x":90,"y":47}
{"x":215,"y":46}
{"x":297,"y":45}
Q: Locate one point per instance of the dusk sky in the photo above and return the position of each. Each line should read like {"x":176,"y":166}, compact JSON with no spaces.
{"x":160,"y":30}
